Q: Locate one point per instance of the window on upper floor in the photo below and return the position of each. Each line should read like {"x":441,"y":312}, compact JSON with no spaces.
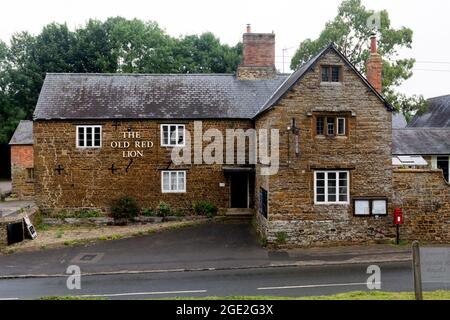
{"x":331,"y":73}
{"x":331,"y":126}
{"x":172,"y":135}
{"x":89,"y":136}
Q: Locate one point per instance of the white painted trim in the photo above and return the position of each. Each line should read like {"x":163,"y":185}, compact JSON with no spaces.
{"x":170,"y":179}
{"x":337,"y":202}
{"x":168,"y":125}
{"x":77,"y":141}
{"x":434,"y":162}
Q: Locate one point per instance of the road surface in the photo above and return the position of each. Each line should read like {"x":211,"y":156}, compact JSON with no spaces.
{"x":292,"y":282}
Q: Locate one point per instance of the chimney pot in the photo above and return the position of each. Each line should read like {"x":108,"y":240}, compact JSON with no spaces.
{"x":249,"y":28}
{"x":373,"y":44}
{"x":374,"y":65}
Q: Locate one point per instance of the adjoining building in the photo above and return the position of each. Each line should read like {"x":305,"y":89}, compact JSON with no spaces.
{"x":427,"y":135}
{"x":98,"y":137}
{"x":22,"y":162}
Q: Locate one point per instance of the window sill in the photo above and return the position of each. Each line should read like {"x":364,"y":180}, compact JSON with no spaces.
{"x":342,"y":204}
{"x":331,"y":84}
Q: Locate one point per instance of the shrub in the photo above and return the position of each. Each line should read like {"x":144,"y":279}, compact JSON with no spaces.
{"x":205,"y":208}
{"x":147,"y":212}
{"x":180,"y":213}
{"x":87,"y":214}
{"x":164,"y":209}
{"x":282,"y":237}
{"x":124,"y":208}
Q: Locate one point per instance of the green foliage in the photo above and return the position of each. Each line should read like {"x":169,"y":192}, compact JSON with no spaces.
{"x":282,"y":237}
{"x":180,"y":213}
{"x":164,"y":209}
{"x":87,"y":214}
{"x":205,"y":208}
{"x":349,"y":31}
{"x":114,"y":45}
{"x":147,"y":212}
{"x":124,"y":208}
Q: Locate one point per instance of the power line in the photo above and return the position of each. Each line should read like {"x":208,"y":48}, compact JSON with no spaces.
{"x":434,"y":62}
{"x":431,"y":70}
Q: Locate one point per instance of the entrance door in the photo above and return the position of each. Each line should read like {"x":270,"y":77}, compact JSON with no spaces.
{"x":239,"y":191}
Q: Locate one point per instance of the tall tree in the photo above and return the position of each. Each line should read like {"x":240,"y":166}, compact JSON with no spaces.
{"x":115,"y":45}
{"x":350,"y":31}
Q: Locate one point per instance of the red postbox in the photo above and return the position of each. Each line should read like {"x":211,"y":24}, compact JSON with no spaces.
{"x":398,"y":216}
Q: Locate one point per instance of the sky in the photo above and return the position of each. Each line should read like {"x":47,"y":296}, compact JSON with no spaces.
{"x":291,"y":21}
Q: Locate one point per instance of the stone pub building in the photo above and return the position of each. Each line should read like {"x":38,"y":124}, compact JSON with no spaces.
{"x":98,"y":137}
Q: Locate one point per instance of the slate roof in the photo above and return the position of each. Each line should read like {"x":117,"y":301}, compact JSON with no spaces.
{"x":421,"y":141}
{"x":23,"y":134}
{"x":140,"y":96}
{"x":398,"y":121}
{"x":299,"y":73}
{"x":437,"y":115}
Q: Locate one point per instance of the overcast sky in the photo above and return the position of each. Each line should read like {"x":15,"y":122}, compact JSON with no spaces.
{"x":292,"y":21}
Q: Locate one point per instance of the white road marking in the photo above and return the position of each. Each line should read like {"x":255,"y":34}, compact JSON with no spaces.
{"x":4,"y":299}
{"x":317,"y":286}
{"x":139,"y":293}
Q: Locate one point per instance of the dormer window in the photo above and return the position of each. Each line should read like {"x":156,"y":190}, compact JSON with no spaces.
{"x":331,"y":73}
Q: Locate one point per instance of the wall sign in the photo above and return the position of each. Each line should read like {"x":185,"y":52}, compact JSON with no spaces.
{"x":132,"y":145}
{"x":370,"y":207}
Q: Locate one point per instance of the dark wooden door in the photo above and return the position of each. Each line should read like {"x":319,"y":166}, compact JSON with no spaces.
{"x":239,"y":191}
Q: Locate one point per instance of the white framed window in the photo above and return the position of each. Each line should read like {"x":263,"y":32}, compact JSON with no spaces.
{"x":172,"y":135}
{"x":173,"y":181}
{"x":341,"y":126}
{"x":89,"y":136}
{"x":331,"y":187}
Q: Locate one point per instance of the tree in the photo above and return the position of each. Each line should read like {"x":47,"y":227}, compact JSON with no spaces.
{"x":115,"y":45}
{"x":351,"y":34}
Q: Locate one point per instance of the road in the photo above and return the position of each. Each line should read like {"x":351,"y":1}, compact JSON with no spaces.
{"x":292,"y":282}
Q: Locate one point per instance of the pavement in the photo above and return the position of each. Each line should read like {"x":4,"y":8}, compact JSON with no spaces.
{"x":208,"y":247}
{"x":10,"y":208}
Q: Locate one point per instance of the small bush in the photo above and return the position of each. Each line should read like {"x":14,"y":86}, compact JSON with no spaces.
{"x":282,"y":237}
{"x":180,"y":213}
{"x":125,"y":208}
{"x":205,"y":208}
{"x":164,"y":209}
{"x":147,"y":212}
{"x":87,"y":214}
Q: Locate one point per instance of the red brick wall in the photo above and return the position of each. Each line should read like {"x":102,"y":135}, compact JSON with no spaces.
{"x":259,"y":49}
{"x":21,"y":159}
{"x":22,"y":155}
{"x":374,"y":71}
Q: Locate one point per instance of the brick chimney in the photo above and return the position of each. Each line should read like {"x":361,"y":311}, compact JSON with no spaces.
{"x":258,"y":56}
{"x":374,"y":65}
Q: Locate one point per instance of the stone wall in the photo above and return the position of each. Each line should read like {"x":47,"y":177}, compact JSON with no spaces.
{"x":424,"y":196}
{"x":365,"y":152}
{"x":87,"y":182}
{"x":21,"y":160}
